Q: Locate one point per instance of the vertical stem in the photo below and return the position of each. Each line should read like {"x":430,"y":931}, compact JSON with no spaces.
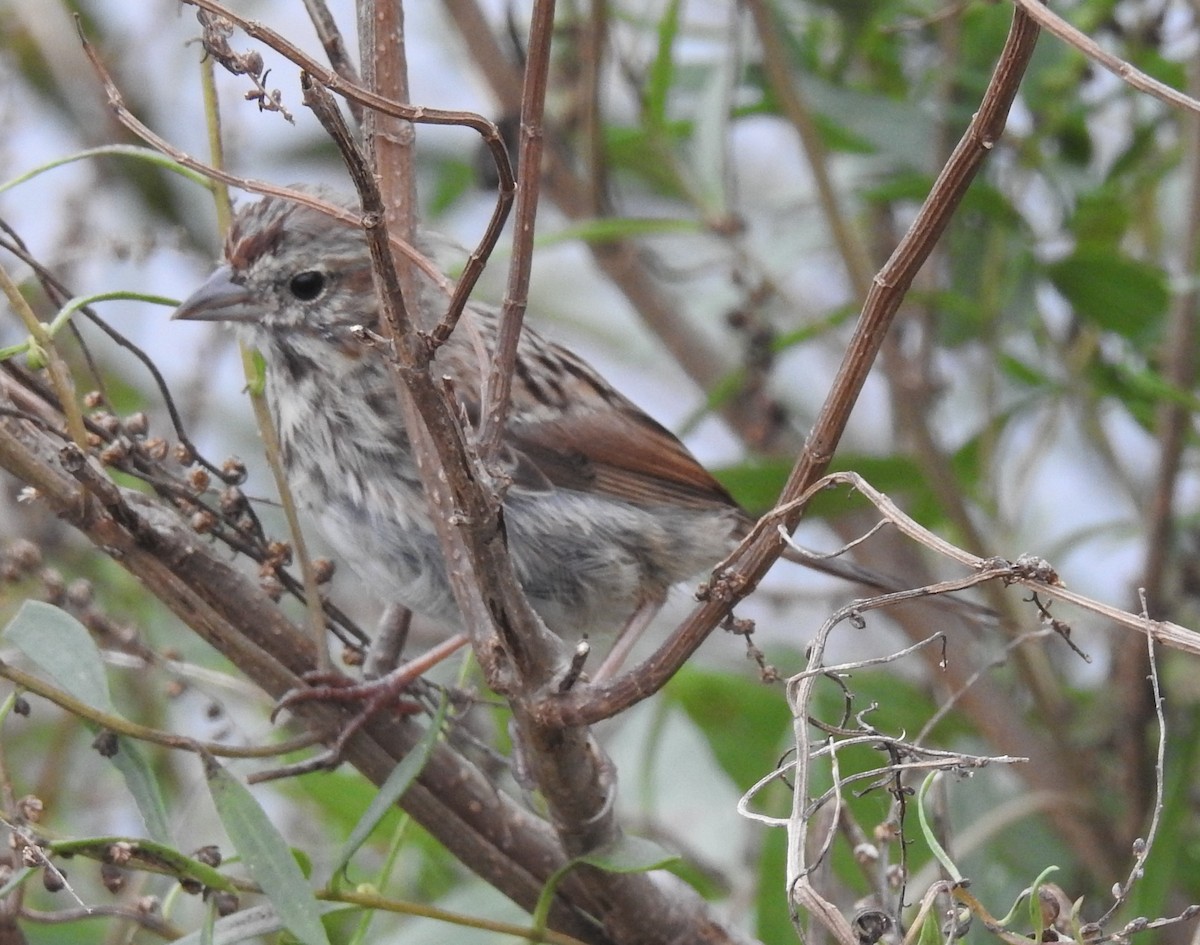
{"x":313,"y":607}
{"x":389,"y":141}
{"x":529,"y":169}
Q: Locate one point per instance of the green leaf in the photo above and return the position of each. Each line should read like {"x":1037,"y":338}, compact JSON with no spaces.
{"x":627,"y":855}
{"x":124,"y":150}
{"x":1113,"y":291}
{"x":139,"y":777}
{"x":393,"y":788}
{"x":1024,"y":372}
{"x":266,"y":855}
{"x":931,"y":934}
{"x":64,"y":650}
{"x":610,"y":229}
{"x":1101,"y":218}
{"x":644,"y":155}
{"x":454,"y":178}
{"x":662,"y":71}
{"x":756,"y":484}
{"x":931,"y":839}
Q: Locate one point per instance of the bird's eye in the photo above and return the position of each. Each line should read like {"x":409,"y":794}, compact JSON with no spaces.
{"x":306,"y":286}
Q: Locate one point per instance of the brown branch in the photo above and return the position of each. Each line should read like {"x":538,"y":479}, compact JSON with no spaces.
{"x":331,"y":41}
{"x":1052,"y":23}
{"x":333,"y":81}
{"x":388,"y":140}
{"x":459,"y":805}
{"x":498,"y":386}
{"x":731,"y":584}
{"x":622,"y":261}
{"x":572,"y":771}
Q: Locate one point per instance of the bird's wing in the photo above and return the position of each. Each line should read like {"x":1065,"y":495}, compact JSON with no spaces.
{"x":569,"y":429}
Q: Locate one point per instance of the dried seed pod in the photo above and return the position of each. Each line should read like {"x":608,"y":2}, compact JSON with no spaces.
{"x":225,"y":902}
{"x":209,"y":855}
{"x":80,"y":593}
{"x":231,"y":500}
{"x":156,"y":448}
{"x":323,"y":570}
{"x":55,"y":586}
{"x":136,"y":424}
{"x":53,"y":879}
{"x":106,"y":421}
{"x":113,"y":877}
{"x":30,"y":809}
{"x":106,"y":744}
{"x":272,"y":587}
{"x":203,"y":521}
{"x":116,"y":452}
{"x":25,"y":555}
{"x":279,"y":554}
{"x":119,"y":853}
{"x":234,"y":471}
{"x":199,"y":480}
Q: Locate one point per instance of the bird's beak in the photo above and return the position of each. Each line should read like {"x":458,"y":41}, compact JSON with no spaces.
{"x":220,"y":299}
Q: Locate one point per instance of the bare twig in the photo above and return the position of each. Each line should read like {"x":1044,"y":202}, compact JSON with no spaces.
{"x":335,"y":82}
{"x":498,"y":386}
{"x":1123,"y":70}
{"x":887,"y":291}
{"x":1143,"y":847}
{"x":335,"y":48}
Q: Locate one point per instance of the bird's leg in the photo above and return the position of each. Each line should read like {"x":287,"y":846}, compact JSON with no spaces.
{"x":387,"y":645}
{"x":382,"y":657}
{"x":373,"y":694}
{"x":634,"y":627}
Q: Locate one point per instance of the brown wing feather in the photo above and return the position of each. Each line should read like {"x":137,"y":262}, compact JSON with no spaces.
{"x":569,"y":429}
{"x":624,"y":454}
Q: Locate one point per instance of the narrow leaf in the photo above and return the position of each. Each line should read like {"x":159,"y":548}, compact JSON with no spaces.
{"x":1113,"y":291}
{"x":64,"y":650}
{"x":392,"y":789}
{"x":628,"y":855}
{"x":266,"y":855}
{"x":123,"y":150}
{"x":139,"y":777}
{"x":662,"y":72}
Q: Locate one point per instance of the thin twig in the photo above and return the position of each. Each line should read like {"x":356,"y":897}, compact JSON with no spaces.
{"x":335,"y":48}
{"x":1123,"y":70}
{"x":498,"y":386}
{"x":122,"y":726}
{"x":1143,"y":847}
{"x":887,"y":292}
{"x":336,"y":83}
